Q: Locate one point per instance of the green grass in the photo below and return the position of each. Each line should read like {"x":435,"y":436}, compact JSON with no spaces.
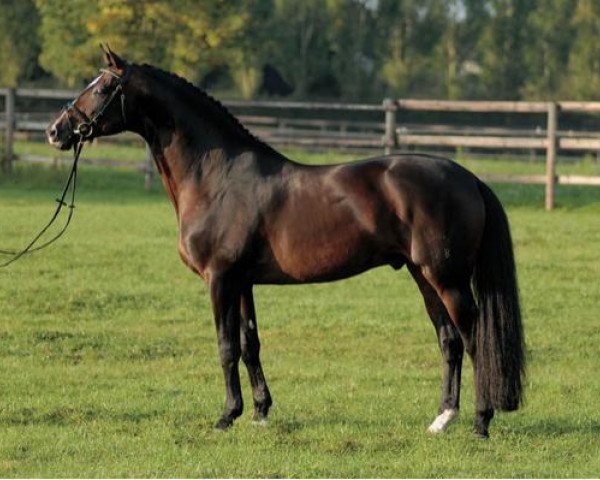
{"x":127,"y":153}
{"x":110,"y":368}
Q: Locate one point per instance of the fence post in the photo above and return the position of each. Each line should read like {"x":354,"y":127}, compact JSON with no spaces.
{"x":551,"y":154}
{"x":148,"y":169}
{"x":9,"y":132}
{"x":389,"y":138}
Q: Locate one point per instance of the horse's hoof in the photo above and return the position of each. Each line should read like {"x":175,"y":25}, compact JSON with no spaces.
{"x":262,"y":422}
{"x":259,"y":417}
{"x":223,"y":424}
{"x":443,"y":420}
{"x":481,"y":435}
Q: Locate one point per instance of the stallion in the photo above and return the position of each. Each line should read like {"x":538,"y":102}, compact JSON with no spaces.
{"x":248,"y":215}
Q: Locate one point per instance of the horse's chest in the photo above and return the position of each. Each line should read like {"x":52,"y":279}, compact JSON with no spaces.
{"x":213,"y":240}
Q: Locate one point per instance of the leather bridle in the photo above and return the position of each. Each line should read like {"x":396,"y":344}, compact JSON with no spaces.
{"x":85,"y":128}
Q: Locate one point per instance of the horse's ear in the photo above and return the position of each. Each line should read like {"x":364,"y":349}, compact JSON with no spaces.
{"x":112,"y":59}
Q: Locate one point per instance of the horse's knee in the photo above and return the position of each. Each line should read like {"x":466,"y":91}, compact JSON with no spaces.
{"x":229,"y":352}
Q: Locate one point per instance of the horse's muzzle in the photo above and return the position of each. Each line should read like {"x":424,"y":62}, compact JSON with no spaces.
{"x":60,"y":134}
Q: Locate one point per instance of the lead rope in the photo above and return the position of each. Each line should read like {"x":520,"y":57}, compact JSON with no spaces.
{"x":72,"y":185}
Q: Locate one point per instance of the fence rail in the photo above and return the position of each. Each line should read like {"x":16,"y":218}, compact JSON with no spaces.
{"x":288,"y":123}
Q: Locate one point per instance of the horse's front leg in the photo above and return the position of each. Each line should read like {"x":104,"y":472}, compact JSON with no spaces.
{"x":225,"y":297}
{"x":251,"y":356}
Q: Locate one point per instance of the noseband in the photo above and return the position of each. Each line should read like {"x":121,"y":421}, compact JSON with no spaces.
{"x":85,"y":128}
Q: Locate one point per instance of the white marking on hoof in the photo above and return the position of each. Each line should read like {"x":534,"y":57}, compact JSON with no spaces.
{"x":443,"y":420}
{"x":263,"y":422}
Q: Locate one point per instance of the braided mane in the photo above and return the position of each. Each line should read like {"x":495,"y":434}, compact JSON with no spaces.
{"x":217,"y":109}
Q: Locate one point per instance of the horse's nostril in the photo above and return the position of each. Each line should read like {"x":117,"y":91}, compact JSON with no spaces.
{"x":52,"y":133}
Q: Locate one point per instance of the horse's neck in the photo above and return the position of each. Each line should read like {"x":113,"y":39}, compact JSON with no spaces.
{"x":179,"y":139}
{"x":187,"y":146}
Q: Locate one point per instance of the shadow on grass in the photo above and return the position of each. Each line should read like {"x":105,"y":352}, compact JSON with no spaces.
{"x":557,"y":427}
{"x":61,"y":416}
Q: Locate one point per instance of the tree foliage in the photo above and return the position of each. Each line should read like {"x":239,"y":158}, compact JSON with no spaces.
{"x":67,"y":50}
{"x":19,"y":46}
{"x":583,"y":78}
{"x":351,"y":49}
{"x":502,"y":45}
{"x":551,"y":33}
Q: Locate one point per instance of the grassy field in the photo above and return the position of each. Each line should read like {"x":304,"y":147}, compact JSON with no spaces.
{"x":110,"y":367}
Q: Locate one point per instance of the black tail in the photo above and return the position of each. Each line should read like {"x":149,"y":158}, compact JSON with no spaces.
{"x":498,"y":332}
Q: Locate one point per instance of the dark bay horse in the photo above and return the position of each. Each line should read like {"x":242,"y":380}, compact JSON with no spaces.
{"x":247,"y":215}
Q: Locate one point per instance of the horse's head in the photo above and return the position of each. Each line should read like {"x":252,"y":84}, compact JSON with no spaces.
{"x":99,"y":110}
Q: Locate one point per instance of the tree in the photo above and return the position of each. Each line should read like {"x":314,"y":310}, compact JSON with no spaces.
{"x":583,"y":77}
{"x":356,"y":49}
{"x":301,"y":33}
{"x":503,"y":41}
{"x":399,"y":57}
{"x":18,"y":46}
{"x":252,"y":45}
{"x":351,"y":39}
{"x":547,"y":51}
{"x":183,"y":36}
{"x":410,"y":33}
{"x":456,"y":56}
{"x":66,"y":44}
{"x":449,"y":54}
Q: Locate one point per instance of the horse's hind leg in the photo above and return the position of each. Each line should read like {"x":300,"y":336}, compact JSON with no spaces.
{"x":251,"y":357}
{"x":462,"y":309}
{"x":452,"y":350}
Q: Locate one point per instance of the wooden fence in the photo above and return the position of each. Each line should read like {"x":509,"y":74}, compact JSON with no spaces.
{"x":549,"y":140}
{"x":344,"y":126}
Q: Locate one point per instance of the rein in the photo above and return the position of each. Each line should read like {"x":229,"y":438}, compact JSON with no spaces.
{"x":70,"y":185}
{"x":84,"y":131}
